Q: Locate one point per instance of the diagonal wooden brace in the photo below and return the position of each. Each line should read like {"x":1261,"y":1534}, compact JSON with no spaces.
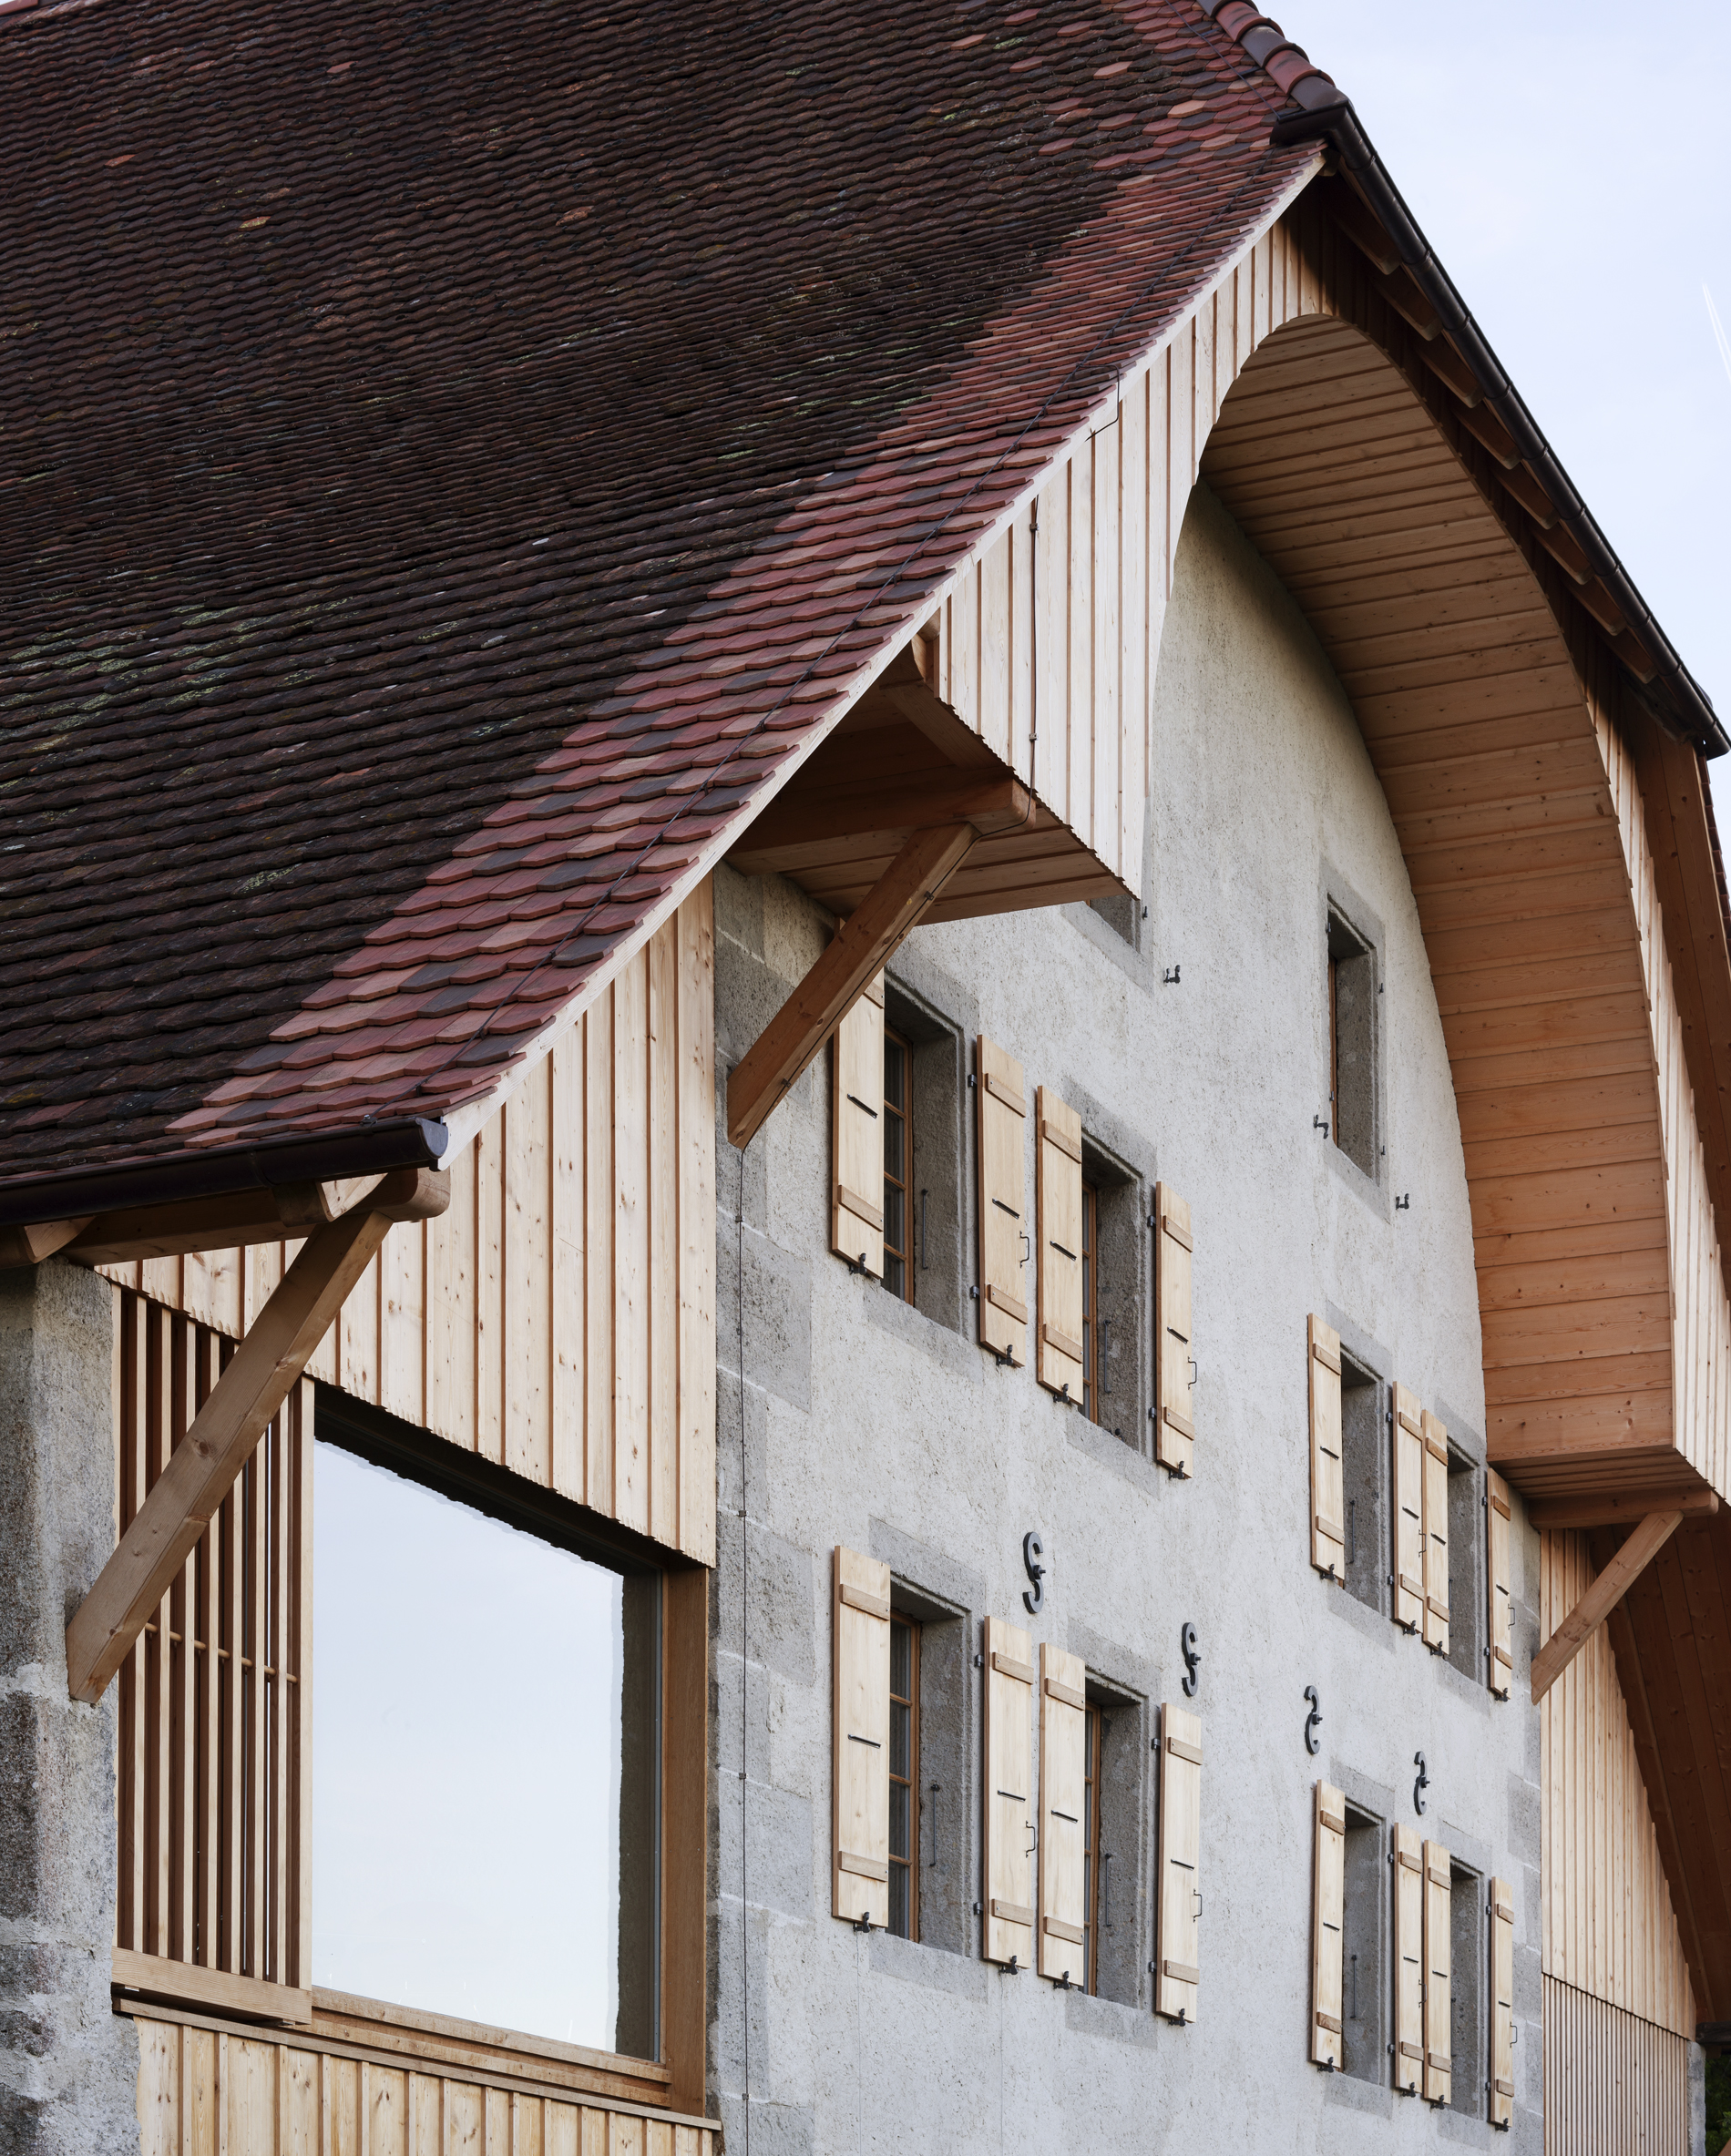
{"x":202,"y":1467}
{"x":1600,"y":1598}
{"x":866,"y":940}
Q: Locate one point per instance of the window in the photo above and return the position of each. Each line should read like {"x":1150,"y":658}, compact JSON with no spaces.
{"x":1362,"y":1454}
{"x":1093,"y":1884}
{"x":904,"y":1777}
{"x":1352,"y":1043}
{"x":1090,"y":1300}
{"x":485,"y":1765}
{"x":1466,"y":1990}
{"x":899,"y":1166}
{"x":1364,"y":1937}
{"x":1465,"y":1544}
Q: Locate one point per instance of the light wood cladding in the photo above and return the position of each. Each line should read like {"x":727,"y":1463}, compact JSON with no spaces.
{"x":253,"y":2094}
{"x":1610,"y":1929}
{"x":561,"y":1317}
{"x":1612,"y":2082}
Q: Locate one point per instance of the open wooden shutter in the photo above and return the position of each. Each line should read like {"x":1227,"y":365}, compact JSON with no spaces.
{"x":856,"y":1135}
{"x":1007,"y":1921}
{"x":1502,"y":2002}
{"x":1063,"y":1733}
{"x":1177,"y":1969}
{"x":1328,"y":1486}
{"x":1439,"y":2006}
{"x":1408,"y":1607}
{"x":859,"y":1779}
{"x":1057,"y":1195}
{"x":1436,"y":1446}
{"x":1328,"y":1929}
{"x":1174,"y":1431}
{"x":1004,"y":1243}
{"x":1409,"y":1960}
{"x":1497,"y":1588}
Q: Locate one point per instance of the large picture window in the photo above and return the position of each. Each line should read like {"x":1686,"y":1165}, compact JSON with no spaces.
{"x":486,"y":1766}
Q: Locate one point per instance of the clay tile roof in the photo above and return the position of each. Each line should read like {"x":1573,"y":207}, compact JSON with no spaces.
{"x":452,"y":458}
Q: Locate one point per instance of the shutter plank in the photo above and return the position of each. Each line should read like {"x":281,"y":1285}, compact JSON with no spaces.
{"x":1058,"y":1194}
{"x":1327,"y":1482}
{"x":1005,"y":1243}
{"x":1499,"y":1669}
{"x":1063,"y":1725}
{"x":1438,"y":2017}
{"x":1408,"y":1607}
{"x":1008,"y":1919}
{"x":1502,"y":2002}
{"x":1409,"y":1960}
{"x":1328,"y":1929}
{"x":856,"y":1134}
{"x":1436,"y":1451}
{"x":1174,"y":1430}
{"x":1177,"y":1962}
{"x":859,"y":1779}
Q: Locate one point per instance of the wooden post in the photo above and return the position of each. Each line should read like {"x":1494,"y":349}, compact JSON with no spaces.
{"x":1600,"y":1598}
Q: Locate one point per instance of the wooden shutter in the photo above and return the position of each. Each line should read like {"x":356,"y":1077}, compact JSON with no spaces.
{"x":1328,"y":1929}
{"x":1502,"y":2002}
{"x":856,"y":1134}
{"x":1436,"y":1447}
{"x":859,"y":1781}
{"x":1439,"y":2009}
{"x":1174,"y":1431}
{"x":1497,"y":1588}
{"x":1005,"y":1245}
{"x":1177,"y":1964}
{"x":214,"y":1900}
{"x":1408,"y":1607}
{"x":1063,"y":1737}
{"x":1409,"y":1960}
{"x":1057,"y":1198}
{"x":1006,"y":1920}
{"x":1327,"y":1486}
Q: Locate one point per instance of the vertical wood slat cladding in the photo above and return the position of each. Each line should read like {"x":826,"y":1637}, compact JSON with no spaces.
{"x":1610,"y":1931}
{"x":1614,"y":2083}
{"x":214,"y":1712}
{"x":206,"y":2090}
{"x":561,"y":1316}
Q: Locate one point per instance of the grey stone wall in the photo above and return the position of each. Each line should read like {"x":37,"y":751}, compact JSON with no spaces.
{"x":847,"y":1417}
{"x":68,"y":2065}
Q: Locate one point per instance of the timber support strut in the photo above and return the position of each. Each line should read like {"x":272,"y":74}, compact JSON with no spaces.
{"x":1600,"y":1598}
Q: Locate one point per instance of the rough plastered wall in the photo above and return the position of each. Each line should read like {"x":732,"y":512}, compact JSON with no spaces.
{"x":860,"y":1420}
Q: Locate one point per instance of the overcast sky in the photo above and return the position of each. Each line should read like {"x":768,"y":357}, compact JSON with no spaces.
{"x":1572,"y":167}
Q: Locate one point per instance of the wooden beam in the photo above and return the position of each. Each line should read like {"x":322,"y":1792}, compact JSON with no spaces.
{"x":30,"y":1244}
{"x":202,"y":1467}
{"x":866,"y":940}
{"x":802,"y":818}
{"x":1621,"y":1508}
{"x":283,"y":1212}
{"x":1600,"y":1598}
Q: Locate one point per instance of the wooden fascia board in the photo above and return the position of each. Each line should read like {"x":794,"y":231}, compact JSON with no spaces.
{"x":1619,"y":1509}
{"x":1600,"y":1598}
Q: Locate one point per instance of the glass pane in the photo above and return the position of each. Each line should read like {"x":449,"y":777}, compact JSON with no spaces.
{"x":898,"y":1900}
{"x":899,"y":1718}
{"x":898,"y":1814}
{"x":895,"y":1074}
{"x":485,"y":1767}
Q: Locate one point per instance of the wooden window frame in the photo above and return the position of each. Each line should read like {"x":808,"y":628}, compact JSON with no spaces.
{"x":1090,"y":1299}
{"x":904,"y":1115}
{"x":1093,"y":1740}
{"x":910,"y":1781}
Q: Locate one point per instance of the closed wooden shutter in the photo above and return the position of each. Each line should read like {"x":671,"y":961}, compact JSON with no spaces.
{"x":1500,"y":1609}
{"x":1177,"y":1963}
{"x":1502,"y":2002}
{"x":1058,"y":1196}
{"x":1439,"y":2007}
{"x":1328,"y":1929}
{"x":1408,"y":1605}
{"x":1409,"y":1960}
{"x":1063,"y":1775}
{"x":1006,"y":1918}
{"x":856,"y":1133}
{"x":1328,"y":1486}
{"x":1005,"y":1245}
{"x":1436,"y":1449}
{"x":860,"y":1776}
{"x":1174,"y":1430}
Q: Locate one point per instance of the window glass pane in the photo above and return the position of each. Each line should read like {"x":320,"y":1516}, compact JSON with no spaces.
{"x":484,"y":1766}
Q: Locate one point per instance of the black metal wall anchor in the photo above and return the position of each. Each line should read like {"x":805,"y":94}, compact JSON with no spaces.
{"x":1187,"y":1647}
{"x":1319,"y":1123}
{"x":1168,"y":978}
{"x":1313,"y":1721}
{"x":1404,"y":1205}
{"x":1421,"y":1784}
{"x":1033,"y":1549}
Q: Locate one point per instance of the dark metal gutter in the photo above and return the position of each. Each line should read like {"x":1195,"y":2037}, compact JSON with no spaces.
{"x":371,"y":1149}
{"x":1327,"y":116}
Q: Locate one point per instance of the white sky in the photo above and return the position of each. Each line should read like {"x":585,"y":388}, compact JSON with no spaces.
{"x":1572,"y":167}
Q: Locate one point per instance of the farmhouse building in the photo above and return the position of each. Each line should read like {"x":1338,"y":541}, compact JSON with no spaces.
{"x":865,"y":1038}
